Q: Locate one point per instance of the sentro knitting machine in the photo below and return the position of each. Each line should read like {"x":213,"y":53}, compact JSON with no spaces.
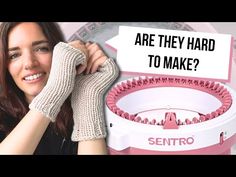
{"x":166,"y":115}
{"x":163,"y":115}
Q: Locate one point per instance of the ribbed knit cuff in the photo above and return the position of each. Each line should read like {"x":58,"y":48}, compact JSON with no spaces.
{"x":60,"y":82}
{"x":87,"y":102}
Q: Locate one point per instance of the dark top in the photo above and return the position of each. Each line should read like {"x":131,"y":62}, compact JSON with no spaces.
{"x":53,"y":144}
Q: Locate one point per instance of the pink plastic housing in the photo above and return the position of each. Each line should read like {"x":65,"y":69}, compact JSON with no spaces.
{"x":218,"y":149}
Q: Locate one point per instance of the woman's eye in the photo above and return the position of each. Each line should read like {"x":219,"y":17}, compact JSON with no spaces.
{"x":13,"y":56}
{"x":42,"y":49}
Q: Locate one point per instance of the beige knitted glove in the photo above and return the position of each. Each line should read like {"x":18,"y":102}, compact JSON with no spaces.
{"x":60,"y":82}
{"x":87,"y":102}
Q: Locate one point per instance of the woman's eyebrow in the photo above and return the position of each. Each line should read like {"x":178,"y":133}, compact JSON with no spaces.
{"x":14,"y":48}
{"x":39,"y":42}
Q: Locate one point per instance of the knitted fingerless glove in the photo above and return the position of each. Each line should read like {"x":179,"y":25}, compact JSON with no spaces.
{"x":87,"y":102}
{"x":60,"y":82}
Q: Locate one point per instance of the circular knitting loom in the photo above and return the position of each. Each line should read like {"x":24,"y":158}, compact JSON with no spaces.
{"x":166,"y":115}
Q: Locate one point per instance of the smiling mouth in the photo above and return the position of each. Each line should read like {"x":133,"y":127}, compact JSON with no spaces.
{"x":33,"y":77}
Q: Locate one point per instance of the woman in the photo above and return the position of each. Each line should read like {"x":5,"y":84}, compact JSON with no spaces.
{"x":51,"y":91}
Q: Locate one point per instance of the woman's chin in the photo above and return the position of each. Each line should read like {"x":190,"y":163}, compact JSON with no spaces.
{"x":32,"y":94}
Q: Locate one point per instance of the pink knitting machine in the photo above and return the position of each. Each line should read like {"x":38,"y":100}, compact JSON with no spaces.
{"x":167,"y":115}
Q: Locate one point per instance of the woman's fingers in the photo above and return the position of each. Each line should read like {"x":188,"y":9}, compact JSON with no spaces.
{"x":87,"y":44}
{"x":92,"y":48}
{"x":97,"y":64}
{"x":95,"y":53}
{"x":80,"y":69}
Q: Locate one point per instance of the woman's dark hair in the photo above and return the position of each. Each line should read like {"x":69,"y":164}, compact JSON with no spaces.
{"x":13,"y":105}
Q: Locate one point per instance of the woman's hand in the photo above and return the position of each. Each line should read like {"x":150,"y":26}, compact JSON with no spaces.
{"x":87,"y":99}
{"x":94,"y":55}
{"x":61,"y":80}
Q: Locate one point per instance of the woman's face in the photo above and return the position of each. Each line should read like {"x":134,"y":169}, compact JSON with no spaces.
{"x":30,"y":58}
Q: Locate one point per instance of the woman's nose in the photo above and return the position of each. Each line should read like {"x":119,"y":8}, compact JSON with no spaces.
{"x":30,"y":61}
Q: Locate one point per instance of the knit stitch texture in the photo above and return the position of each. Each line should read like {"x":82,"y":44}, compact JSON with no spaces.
{"x":60,"y":82}
{"x":87,"y":102}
